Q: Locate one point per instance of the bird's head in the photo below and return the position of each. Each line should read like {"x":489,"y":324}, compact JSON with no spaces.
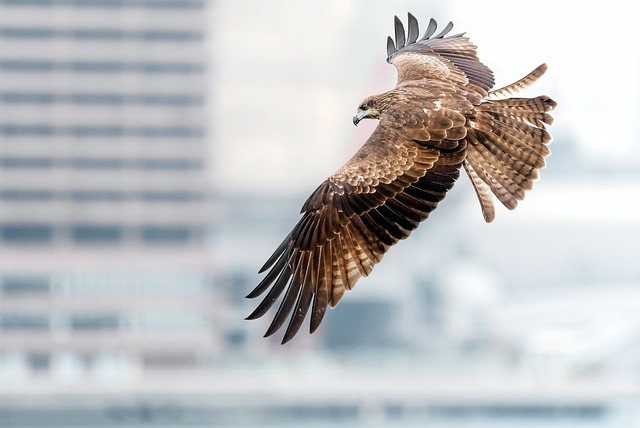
{"x":369,"y":109}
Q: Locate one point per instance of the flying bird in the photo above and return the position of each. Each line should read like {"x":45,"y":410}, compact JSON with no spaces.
{"x":443,"y":115}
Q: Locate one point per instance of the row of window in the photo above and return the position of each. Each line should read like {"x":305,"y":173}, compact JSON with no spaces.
{"x":108,"y":99}
{"x":44,"y":162}
{"x":108,"y":131}
{"x":109,"y":4}
{"x":42,"y":362}
{"x":89,"y":196}
{"x":42,"y":233}
{"x":40,"y":33}
{"x":13,"y":322}
{"x":39,"y":66}
{"x":97,"y":321}
{"x":113,"y":283}
{"x":18,"y":284}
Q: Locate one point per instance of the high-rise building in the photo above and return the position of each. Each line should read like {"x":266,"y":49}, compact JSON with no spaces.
{"x":105,"y":190}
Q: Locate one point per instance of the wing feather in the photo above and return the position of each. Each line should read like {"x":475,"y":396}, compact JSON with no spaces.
{"x":275,"y":291}
{"x":437,"y":56}
{"x":340,"y":240}
{"x":291,"y":294}
{"x":399,"y":28}
{"x":305,"y":296}
{"x":414,"y":30}
{"x":321,"y":296}
{"x":431,"y":29}
{"x":444,"y":31}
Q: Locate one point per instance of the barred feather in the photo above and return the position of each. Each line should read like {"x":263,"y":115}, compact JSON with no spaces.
{"x":525,"y":82}
{"x":508,"y":144}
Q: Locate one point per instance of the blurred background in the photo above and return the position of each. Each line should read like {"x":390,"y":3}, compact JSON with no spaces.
{"x":153,"y":153}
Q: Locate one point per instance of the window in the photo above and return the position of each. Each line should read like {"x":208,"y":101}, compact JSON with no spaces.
{"x":96,"y":234}
{"x":81,"y":322}
{"x":13,"y":322}
{"x":170,"y":359}
{"x":165,"y":234}
{"x":26,"y":162}
{"x":16,"y":284}
{"x":10,"y":130}
{"x":26,"y":233}
{"x":39,"y":361}
{"x":97,"y":163}
{"x":116,"y":163}
{"x":26,"y":195}
{"x":175,"y":196}
{"x":96,"y":196}
{"x":170,"y":164}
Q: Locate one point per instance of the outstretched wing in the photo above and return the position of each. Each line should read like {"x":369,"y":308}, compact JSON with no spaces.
{"x":376,"y":199}
{"x":451,"y":58}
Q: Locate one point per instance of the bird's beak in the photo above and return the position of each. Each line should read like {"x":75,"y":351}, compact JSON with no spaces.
{"x":358,"y":117}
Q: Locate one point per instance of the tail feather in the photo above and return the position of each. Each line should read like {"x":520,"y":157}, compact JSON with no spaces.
{"x":532,"y":110}
{"x":507,"y":144}
{"x":484,"y":193}
{"x":493,"y":178}
{"x":525,"y":82}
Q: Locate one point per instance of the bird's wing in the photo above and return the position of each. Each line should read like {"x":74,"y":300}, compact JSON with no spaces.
{"x":349,"y":222}
{"x":437,"y":56}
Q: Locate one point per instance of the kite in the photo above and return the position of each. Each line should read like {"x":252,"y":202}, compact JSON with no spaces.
{"x":442,"y":116}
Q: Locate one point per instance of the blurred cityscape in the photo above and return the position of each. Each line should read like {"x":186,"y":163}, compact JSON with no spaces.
{"x":154,"y":152}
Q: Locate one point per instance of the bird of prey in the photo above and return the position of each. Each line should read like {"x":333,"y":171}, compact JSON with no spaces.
{"x":443,"y":115}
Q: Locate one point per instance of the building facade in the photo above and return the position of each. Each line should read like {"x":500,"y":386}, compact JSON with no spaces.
{"x":105,"y":190}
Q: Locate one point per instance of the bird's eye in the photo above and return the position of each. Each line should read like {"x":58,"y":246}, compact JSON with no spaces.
{"x":364,"y":107}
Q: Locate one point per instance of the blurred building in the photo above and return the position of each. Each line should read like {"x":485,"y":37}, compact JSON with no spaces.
{"x":105,"y":204}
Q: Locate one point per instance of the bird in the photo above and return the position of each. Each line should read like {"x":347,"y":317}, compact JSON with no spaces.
{"x":442,"y":116}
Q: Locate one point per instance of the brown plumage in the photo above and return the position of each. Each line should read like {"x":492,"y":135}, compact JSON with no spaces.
{"x":441,"y":116}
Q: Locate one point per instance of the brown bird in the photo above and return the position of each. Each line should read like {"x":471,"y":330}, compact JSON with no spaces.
{"x":441,"y":116}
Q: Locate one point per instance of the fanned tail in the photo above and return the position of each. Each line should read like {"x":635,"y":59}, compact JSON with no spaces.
{"x":507,"y":144}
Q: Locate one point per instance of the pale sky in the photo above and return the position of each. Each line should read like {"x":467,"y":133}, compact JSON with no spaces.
{"x":593,"y":55}
{"x":289,"y":75}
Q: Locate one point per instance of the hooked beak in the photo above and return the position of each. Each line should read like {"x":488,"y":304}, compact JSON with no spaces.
{"x":358,"y":117}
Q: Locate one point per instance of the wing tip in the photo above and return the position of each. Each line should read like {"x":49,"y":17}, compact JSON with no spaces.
{"x":403,"y":39}
{"x":399,"y":32}
{"x":400,"y":40}
{"x":431,"y":28}
{"x":413,"y":30}
{"x":391,"y":48}
{"x":257,"y":313}
{"x":445,"y":31}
